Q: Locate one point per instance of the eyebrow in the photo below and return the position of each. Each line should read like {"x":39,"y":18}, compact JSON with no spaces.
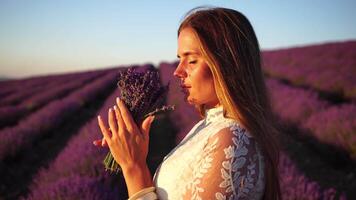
{"x":188,"y":53}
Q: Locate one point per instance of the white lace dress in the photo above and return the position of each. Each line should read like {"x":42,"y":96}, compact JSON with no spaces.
{"x":217,"y":159}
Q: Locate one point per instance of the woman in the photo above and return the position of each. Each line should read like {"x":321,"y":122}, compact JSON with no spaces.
{"x":231,"y":153}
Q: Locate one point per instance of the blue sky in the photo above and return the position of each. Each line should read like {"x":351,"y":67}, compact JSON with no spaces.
{"x":40,"y":37}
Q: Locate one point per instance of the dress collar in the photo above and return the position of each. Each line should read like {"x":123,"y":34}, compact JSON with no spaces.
{"x":212,"y":113}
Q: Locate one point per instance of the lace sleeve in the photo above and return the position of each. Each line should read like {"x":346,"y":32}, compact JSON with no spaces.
{"x":228,"y":169}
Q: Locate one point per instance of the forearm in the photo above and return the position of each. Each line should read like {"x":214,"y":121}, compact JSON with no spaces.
{"x":137,"y":178}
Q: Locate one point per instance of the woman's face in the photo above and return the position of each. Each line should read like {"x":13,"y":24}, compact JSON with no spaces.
{"x":196,"y":78}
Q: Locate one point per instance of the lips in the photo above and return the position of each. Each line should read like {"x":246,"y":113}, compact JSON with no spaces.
{"x":185,"y":88}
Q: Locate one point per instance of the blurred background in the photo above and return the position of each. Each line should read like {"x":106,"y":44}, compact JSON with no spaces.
{"x":59,"y":67}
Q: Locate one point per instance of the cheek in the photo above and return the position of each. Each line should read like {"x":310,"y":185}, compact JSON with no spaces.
{"x":207,"y":77}
{"x":204,"y":81}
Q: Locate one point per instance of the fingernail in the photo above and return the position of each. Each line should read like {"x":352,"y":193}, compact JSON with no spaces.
{"x":115,"y":108}
{"x":152,"y":118}
{"x":117,"y":99}
{"x":102,"y":142}
{"x":110,"y":110}
{"x":99,"y":117}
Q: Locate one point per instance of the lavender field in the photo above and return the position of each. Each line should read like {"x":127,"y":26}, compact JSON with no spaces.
{"x":48,"y":123}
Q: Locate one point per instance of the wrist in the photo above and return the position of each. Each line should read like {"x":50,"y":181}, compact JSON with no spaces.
{"x":134,"y":168}
{"x":137,"y":177}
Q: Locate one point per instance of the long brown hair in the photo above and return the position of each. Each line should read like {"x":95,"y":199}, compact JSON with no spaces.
{"x":231,"y":50}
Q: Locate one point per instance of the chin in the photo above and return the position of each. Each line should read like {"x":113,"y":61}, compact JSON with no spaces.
{"x":189,"y":101}
{"x":192,"y":101}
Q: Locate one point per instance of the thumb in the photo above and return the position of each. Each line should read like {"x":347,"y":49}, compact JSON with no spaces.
{"x":146,"y":125}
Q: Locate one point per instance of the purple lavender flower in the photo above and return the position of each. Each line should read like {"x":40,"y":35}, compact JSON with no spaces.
{"x":295,"y":185}
{"x":75,"y":187}
{"x":336,"y":126}
{"x":143,"y":94}
{"x":326,"y":67}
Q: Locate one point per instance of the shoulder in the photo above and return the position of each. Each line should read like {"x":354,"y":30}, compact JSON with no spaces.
{"x":230,"y":130}
{"x":237,"y":155}
{"x":234,"y":139}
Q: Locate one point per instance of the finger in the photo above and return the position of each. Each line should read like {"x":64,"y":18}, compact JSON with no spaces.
{"x":103,"y":129}
{"x":103,"y":142}
{"x":110,"y":132}
{"x":120,"y":121}
{"x":112,"y":122}
{"x":97,"y":142}
{"x":100,"y":142}
{"x":146,"y":125}
{"x":126,"y":116}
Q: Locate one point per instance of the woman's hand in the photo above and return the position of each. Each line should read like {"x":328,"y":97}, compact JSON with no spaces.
{"x":127,"y":142}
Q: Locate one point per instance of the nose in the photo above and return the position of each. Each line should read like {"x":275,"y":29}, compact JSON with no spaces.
{"x":180,"y":72}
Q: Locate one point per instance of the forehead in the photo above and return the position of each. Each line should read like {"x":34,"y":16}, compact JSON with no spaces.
{"x":188,"y":42}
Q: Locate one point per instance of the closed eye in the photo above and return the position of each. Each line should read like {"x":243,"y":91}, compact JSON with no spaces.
{"x":192,"y":62}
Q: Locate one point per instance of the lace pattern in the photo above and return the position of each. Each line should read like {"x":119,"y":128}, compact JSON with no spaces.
{"x":217,"y":159}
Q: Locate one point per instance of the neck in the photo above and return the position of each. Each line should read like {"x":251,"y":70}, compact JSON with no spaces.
{"x":209,"y":106}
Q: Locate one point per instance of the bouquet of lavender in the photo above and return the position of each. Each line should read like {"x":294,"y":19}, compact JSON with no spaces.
{"x":143,"y":95}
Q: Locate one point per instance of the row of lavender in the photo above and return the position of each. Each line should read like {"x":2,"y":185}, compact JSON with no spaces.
{"x":22,"y":89}
{"x":294,"y":184}
{"x":331,"y":124}
{"x":42,"y":121}
{"x":27,"y":101}
{"x":78,"y":171}
{"x":327,"y":67}
{"x":12,"y":87}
